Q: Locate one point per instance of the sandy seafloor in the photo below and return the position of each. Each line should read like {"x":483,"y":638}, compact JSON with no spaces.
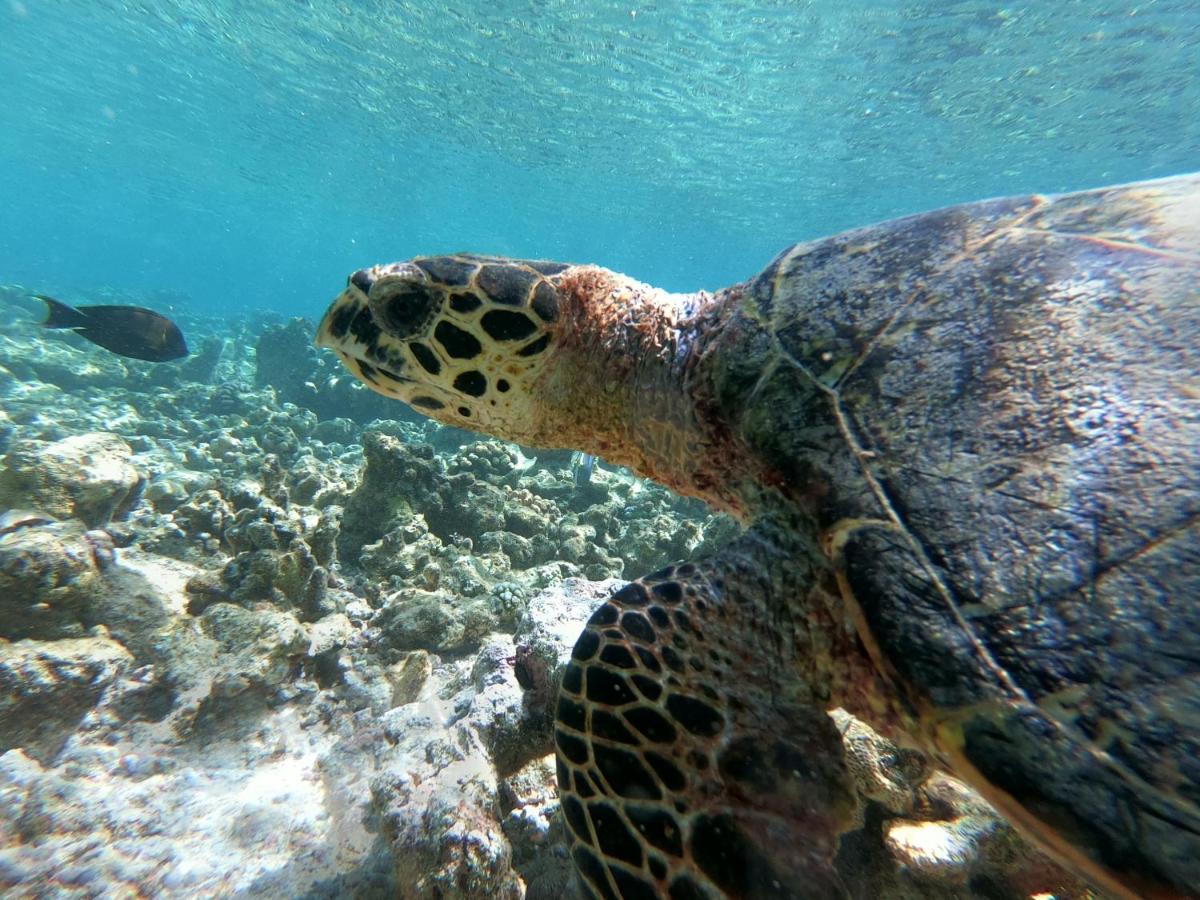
{"x":259,"y":634}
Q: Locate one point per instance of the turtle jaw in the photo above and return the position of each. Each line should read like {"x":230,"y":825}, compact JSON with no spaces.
{"x":349,"y":330}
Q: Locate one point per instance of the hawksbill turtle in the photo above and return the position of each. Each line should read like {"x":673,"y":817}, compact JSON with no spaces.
{"x":966,"y":447}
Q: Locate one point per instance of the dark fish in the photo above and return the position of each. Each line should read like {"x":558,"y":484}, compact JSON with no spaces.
{"x":125,"y":330}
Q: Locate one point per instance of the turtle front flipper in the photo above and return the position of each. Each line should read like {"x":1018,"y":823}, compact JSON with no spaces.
{"x":695,"y":758}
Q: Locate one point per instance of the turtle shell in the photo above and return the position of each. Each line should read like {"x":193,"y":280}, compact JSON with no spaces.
{"x":995,"y":409}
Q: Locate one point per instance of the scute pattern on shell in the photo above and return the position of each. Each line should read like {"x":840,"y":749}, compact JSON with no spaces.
{"x":1003,"y":399}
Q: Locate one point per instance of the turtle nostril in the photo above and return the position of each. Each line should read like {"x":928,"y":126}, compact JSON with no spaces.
{"x":363,"y":279}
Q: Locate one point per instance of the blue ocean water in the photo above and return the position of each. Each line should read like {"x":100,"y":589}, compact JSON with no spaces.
{"x":248,"y":155}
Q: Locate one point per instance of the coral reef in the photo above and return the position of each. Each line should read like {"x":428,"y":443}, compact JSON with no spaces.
{"x":84,"y":476}
{"x":265,"y":634}
{"x":47,"y":687}
{"x":49,"y":579}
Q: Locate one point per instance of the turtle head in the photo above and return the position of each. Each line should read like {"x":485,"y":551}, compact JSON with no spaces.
{"x":462,"y":339}
{"x":545,"y":354}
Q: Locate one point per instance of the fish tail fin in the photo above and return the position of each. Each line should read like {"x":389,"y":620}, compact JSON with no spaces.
{"x":60,"y":315}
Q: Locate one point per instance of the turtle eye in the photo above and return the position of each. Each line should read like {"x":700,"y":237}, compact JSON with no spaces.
{"x":403,"y":307}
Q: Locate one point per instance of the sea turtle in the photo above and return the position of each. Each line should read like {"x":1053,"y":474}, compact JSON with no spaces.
{"x":966,"y":445}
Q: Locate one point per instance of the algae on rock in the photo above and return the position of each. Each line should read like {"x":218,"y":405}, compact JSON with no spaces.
{"x":86,"y":476}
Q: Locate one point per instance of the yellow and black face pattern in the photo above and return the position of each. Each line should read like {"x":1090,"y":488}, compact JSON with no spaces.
{"x":460,"y":338}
